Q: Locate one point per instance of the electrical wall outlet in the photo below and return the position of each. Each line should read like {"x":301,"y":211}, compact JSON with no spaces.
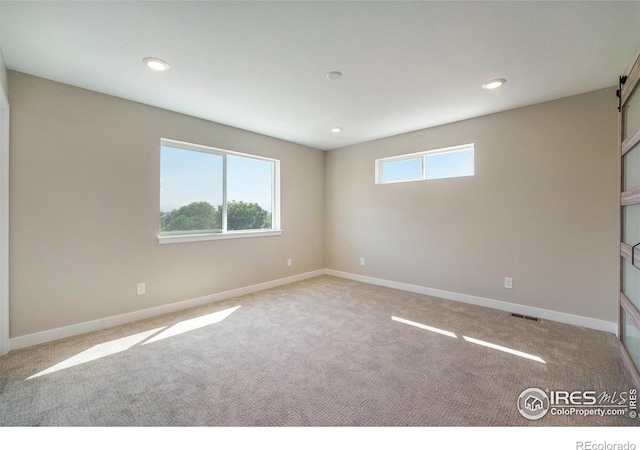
{"x":508,"y":282}
{"x":362,"y":261}
{"x":142,"y":288}
{"x":289,"y":262}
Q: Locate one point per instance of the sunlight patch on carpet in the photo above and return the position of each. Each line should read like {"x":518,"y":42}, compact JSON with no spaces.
{"x":193,"y":324}
{"x":469,"y":339}
{"x":504,"y":349}
{"x":127,"y":342}
{"x":424,"y":327}
{"x":99,"y":351}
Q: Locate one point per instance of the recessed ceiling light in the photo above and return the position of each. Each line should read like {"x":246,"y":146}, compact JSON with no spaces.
{"x":493,"y":84}
{"x":334,"y":75}
{"x":156,"y":64}
{"x":336,"y":130}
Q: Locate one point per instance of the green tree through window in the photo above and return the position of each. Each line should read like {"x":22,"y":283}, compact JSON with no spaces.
{"x":195,"y":216}
{"x":247,"y":216}
{"x":205,"y":217}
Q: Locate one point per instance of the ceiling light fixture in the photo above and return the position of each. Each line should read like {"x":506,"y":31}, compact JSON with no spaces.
{"x":156,"y":64}
{"x":336,"y":130}
{"x":493,"y":84}
{"x":334,"y":75}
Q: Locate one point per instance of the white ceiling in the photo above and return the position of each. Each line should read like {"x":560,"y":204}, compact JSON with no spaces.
{"x":261,"y":66}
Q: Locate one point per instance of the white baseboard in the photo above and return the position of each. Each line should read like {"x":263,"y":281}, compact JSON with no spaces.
{"x":571,"y":319}
{"x":99,"y":324}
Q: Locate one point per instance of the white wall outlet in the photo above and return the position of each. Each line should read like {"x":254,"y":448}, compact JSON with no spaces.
{"x":362,"y":261}
{"x":508,"y":282}
{"x":289,"y":262}
{"x":142,"y":288}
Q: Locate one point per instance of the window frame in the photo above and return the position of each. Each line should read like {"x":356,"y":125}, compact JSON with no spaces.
{"x":379,"y":163}
{"x":226,"y":234}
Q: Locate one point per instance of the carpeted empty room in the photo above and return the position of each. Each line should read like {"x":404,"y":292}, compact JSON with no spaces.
{"x":320,"y":352}
{"x":410,"y":219}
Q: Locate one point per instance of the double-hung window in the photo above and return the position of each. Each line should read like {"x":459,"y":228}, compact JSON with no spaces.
{"x":208,"y":193}
{"x":448,"y":162}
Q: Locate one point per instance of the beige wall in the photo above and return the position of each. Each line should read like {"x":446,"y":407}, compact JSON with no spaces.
{"x":84,"y":209}
{"x":541,"y":208}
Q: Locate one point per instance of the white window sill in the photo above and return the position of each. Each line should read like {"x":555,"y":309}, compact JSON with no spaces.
{"x":215,"y":237}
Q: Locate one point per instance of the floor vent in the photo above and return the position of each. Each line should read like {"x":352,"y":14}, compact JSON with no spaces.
{"x":520,"y":316}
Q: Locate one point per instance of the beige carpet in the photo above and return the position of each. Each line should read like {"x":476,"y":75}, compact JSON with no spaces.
{"x":322,"y":352}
